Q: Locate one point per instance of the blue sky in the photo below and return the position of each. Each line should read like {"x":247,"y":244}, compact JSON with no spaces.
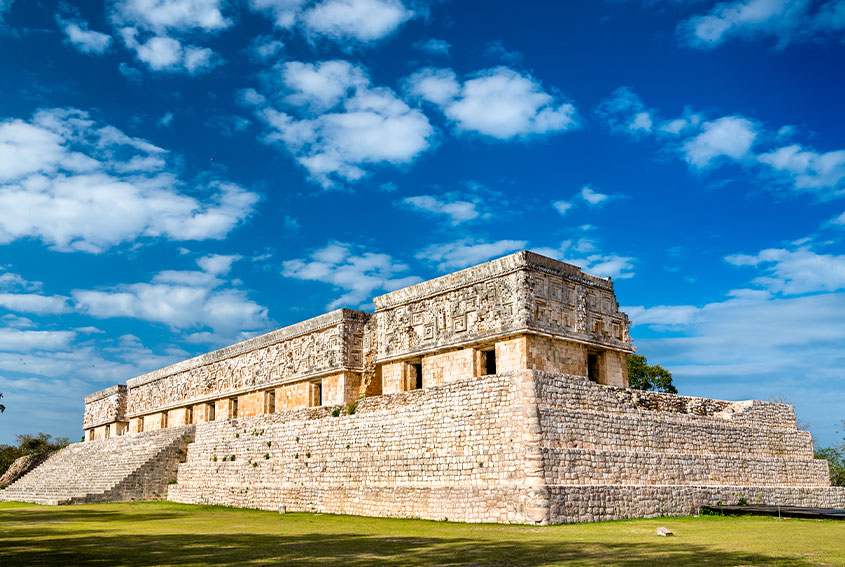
{"x":176,"y":175}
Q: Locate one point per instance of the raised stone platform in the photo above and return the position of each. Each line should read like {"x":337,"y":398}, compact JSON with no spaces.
{"x":523,"y":447}
{"x":528,"y":447}
{"x":119,"y":469}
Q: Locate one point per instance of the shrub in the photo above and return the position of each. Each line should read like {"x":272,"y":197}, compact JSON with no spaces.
{"x":232,"y":458}
{"x":351,"y":407}
{"x":266,"y":456}
{"x":335,"y":412}
{"x":308,"y":455}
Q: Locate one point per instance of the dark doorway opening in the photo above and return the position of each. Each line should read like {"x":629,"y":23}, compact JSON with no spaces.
{"x":489,"y":361}
{"x":593,"y":367}
{"x":417,"y":375}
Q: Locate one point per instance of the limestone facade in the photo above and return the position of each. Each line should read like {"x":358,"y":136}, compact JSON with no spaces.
{"x":494,"y":394}
{"x":521,"y":311}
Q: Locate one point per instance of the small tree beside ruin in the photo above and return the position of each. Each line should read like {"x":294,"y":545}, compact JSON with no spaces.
{"x":642,"y":376}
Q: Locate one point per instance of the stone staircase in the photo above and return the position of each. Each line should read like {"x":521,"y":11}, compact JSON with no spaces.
{"x":120,"y":469}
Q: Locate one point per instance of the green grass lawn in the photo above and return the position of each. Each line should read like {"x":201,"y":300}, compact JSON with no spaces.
{"x":160,"y":533}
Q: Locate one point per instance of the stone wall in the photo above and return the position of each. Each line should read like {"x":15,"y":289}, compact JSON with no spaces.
{"x":523,"y":292}
{"x":321,"y":346}
{"x":525,"y":447}
{"x":458,"y":451}
{"x":105,"y":406}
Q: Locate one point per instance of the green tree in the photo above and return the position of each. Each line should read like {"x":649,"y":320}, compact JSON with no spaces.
{"x":835,"y":456}
{"x":641,"y":376}
{"x":29,"y":445}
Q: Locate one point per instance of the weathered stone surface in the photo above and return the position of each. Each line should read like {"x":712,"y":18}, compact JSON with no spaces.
{"x":495,"y":394}
{"x":324,"y":345}
{"x":496,"y":444}
{"x":120,"y":469}
{"x":21,"y":466}
{"x":105,"y":406}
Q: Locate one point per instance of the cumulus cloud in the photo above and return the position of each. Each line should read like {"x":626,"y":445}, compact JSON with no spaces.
{"x":76,"y":184}
{"x":729,"y":136}
{"x":706,"y":144}
{"x":84,"y":39}
{"x":181,"y":299}
{"x":450,"y":206}
{"x":498,"y":102}
{"x":625,"y":113}
{"x":153,"y":29}
{"x":585,"y":254}
{"x":808,"y":169}
{"x":784,"y":20}
{"x":358,"y":274}
{"x":467,"y":252}
{"x":335,"y":122}
{"x":343,"y":21}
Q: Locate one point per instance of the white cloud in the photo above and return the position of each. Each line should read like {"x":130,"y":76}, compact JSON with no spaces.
{"x":343,"y":21}
{"x":561,"y":207}
{"x":593,"y":197}
{"x":161,"y":16}
{"x":467,"y":252}
{"x":33,"y":303}
{"x":584,"y":253}
{"x":336,"y":123}
{"x":264,"y":48}
{"x":796,"y":271}
{"x":807,"y":168}
{"x":499,"y":102}
{"x":165,"y":53}
{"x":79,"y":185}
{"x":14,"y":340}
{"x":361,"y":20}
{"x":434,"y":46}
{"x":181,"y":299}
{"x":625,"y":113}
{"x":706,"y":144}
{"x":456,"y":210}
{"x":153,"y":30}
{"x":84,"y":39}
{"x":729,"y":136}
{"x":359,"y":274}
{"x":661,"y":315}
{"x":785,"y":20}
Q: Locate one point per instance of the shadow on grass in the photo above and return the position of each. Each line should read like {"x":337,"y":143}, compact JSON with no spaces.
{"x":33,"y":538}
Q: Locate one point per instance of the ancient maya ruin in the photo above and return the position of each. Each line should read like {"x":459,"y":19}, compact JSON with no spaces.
{"x":494,"y":394}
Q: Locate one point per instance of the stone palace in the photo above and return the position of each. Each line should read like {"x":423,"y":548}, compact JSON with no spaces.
{"x":494,"y":394}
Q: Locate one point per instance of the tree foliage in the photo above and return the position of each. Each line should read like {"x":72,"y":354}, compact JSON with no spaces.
{"x":29,"y":445}
{"x":835,"y":456}
{"x":642,"y":376}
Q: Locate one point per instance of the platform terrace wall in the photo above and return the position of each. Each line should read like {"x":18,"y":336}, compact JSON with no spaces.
{"x":459,"y":451}
{"x":525,"y":447}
